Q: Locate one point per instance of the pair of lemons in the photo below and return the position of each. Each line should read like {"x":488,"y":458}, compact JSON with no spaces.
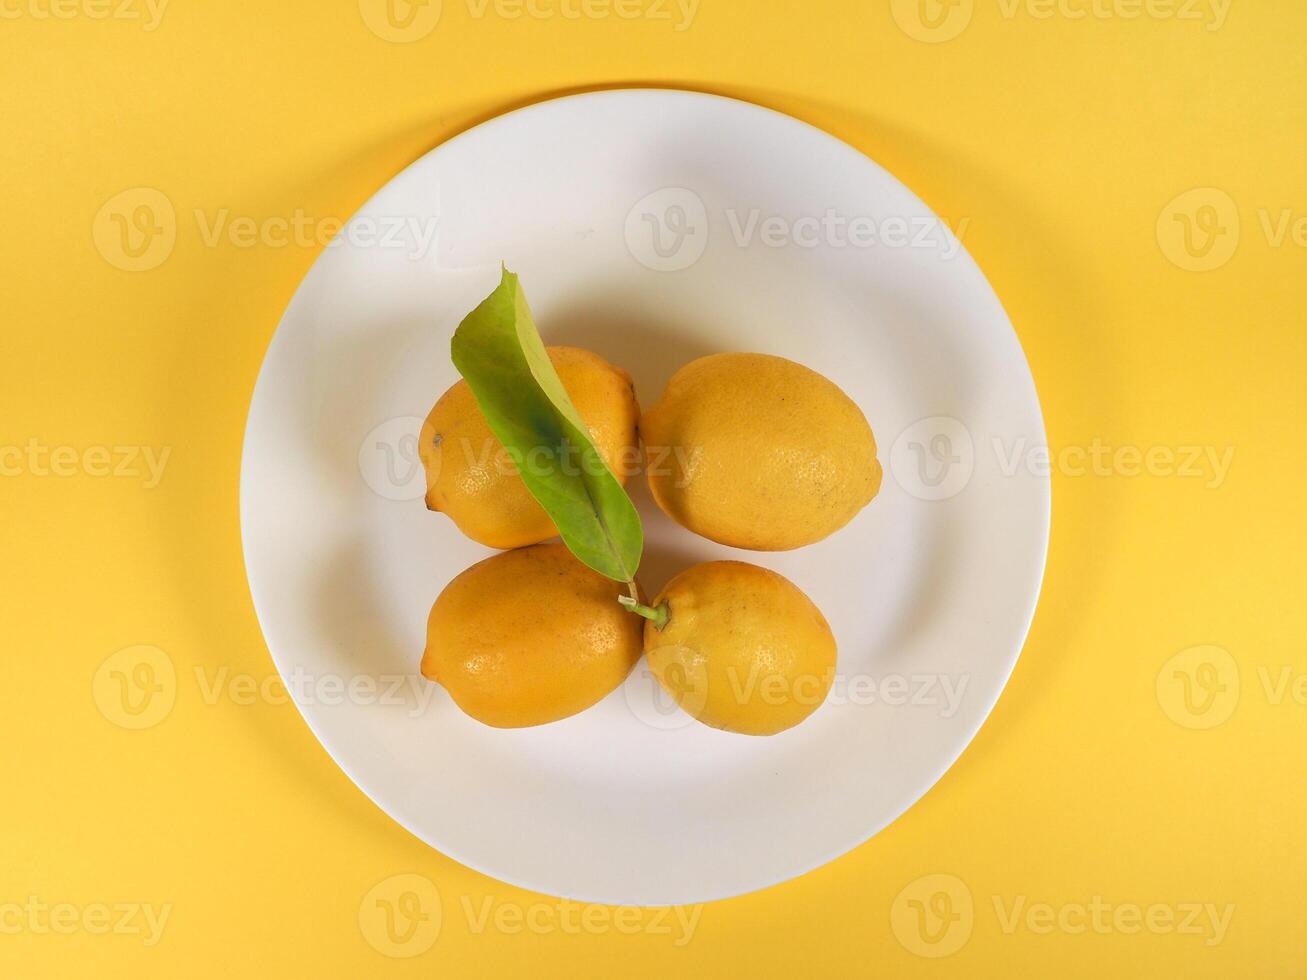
{"x":749,"y":450}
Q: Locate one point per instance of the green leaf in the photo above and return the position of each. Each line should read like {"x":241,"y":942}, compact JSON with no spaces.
{"x":499,"y":352}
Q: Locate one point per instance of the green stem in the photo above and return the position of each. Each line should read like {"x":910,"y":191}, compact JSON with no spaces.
{"x":659,"y":617}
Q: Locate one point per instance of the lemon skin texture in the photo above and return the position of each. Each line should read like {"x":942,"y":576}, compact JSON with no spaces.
{"x":744,"y":650}
{"x":471,"y":478}
{"x":530,"y":637}
{"x":758,"y":452}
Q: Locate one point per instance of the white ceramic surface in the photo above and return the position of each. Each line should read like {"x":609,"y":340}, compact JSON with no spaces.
{"x":653,"y":227}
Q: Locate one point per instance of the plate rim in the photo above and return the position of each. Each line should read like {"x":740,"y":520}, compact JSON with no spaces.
{"x":363,"y":784}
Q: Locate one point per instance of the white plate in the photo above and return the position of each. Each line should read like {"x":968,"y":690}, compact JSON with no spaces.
{"x":930,"y":591}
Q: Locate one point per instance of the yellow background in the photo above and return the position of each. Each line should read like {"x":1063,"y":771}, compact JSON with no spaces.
{"x":1062,"y":139}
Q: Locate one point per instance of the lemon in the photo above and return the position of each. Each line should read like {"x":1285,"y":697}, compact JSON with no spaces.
{"x":530,"y":636}
{"x":758,"y":452}
{"x":741,"y":648}
{"x":470,"y":476}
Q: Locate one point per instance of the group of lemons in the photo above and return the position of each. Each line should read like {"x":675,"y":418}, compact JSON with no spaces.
{"x":748,"y":450}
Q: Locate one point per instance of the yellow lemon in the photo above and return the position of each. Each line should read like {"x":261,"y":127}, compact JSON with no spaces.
{"x":530,"y":636}
{"x":470,"y":475}
{"x":742,"y":648}
{"x":758,"y":452}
